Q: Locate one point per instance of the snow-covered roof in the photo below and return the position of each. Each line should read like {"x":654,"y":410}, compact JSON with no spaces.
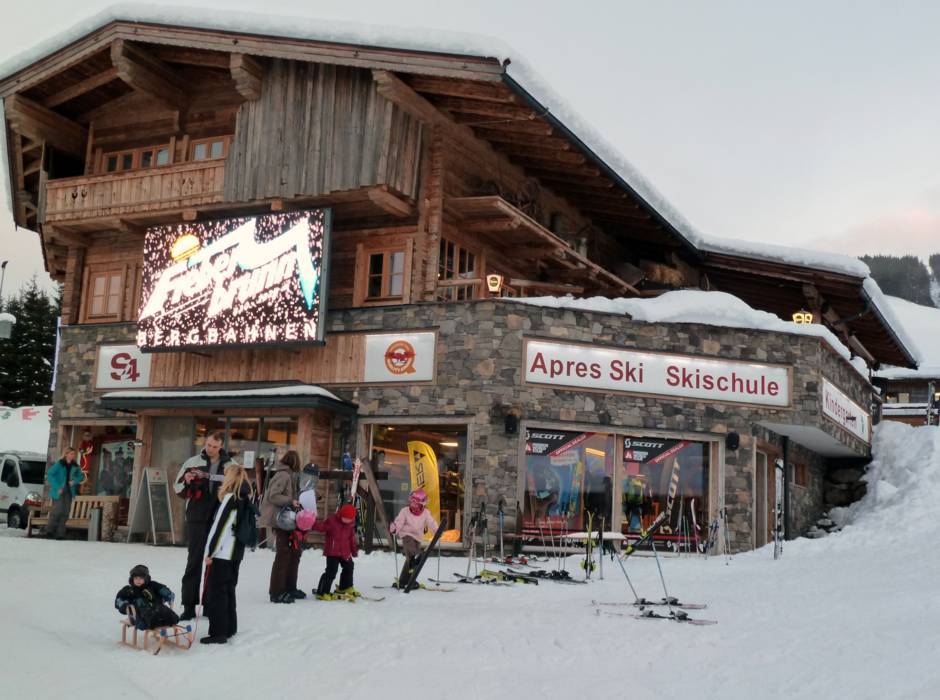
{"x":517,"y":74}
{"x":696,"y":306}
{"x":922,"y":325}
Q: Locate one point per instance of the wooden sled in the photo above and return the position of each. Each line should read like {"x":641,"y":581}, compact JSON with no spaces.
{"x":180,"y":635}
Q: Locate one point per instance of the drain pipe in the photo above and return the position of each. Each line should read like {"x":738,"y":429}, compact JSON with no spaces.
{"x":786,"y":487}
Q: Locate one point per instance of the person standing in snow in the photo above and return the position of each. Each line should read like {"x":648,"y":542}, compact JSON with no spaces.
{"x":339,"y":548}
{"x":412,"y":522}
{"x":198,"y":482}
{"x":223,"y":554}
{"x":64,"y":477}
{"x":281,"y":492}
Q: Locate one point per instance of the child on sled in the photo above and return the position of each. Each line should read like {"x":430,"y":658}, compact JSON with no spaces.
{"x":149,"y":599}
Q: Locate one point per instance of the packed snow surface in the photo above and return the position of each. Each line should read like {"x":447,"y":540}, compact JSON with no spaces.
{"x":852,"y":615}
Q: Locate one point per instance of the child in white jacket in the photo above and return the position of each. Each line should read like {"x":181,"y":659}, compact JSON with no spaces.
{"x":411,"y":524}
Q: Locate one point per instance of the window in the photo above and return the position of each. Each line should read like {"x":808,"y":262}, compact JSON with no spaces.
{"x":137,"y":158}
{"x":209,"y":149}
{"x":443,"y":448}
{"x":568,"y":475}
{"x":454,"y":264}
{"x":104,"y":296}
{"x":386,"y":274}
{"x":383,"y":271}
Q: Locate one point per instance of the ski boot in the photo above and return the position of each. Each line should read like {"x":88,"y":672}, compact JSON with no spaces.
{"x":325,"y":596}
{"x":350,"y":592}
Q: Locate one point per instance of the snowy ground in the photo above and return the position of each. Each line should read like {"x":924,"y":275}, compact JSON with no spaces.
{"x":853,"y":615}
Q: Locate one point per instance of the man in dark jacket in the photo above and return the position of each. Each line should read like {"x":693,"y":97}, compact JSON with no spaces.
{"x":198,"y":482}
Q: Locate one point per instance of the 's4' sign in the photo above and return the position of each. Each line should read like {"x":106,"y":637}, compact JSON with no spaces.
{"x":124,"y":368}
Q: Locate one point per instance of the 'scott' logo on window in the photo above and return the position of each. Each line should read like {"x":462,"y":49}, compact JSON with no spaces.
{"x":400,"y":357}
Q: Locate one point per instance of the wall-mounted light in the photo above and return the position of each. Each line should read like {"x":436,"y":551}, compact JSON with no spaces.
{"x":7,"y":321}
{"x":603,"y":417}
{"x":494,"y":283}
{"x":803,"y":317}
{"x":732,"y":441}
{"x":449,"y":444}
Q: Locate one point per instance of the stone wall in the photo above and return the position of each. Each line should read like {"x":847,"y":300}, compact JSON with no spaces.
{"x":479,"y":379}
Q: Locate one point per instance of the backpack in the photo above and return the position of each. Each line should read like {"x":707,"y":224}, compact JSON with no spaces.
{"x":246,"y":524}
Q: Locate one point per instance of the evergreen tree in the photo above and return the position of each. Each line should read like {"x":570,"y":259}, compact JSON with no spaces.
{"x":27,"y":357}
{"x":935,"y":265}
{"x":904,"y":277}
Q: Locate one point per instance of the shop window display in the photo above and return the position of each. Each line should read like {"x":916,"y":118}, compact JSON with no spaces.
{"x":568,"y":475}
{"x":661,"y":474}
{"x":392,"y":462}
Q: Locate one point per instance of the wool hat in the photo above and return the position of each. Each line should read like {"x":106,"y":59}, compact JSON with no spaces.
{"x":348,"y":512}
{"x":142,"y":571}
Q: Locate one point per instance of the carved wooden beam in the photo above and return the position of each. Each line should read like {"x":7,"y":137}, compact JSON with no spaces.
{"x":147,"y":74}
{"x":248,"y":75}
{"x":32,"y":120}
{"x":80,"y":88}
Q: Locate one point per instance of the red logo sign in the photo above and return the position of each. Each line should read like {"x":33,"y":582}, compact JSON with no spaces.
{"x":400,"y":357}
{"x":125,"y":366}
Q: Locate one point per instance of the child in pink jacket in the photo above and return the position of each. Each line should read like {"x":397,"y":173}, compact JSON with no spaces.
{"x":411,"y":524}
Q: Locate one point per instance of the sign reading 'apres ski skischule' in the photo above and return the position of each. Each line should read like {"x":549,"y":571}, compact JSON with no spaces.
{"x":252,"y":280}
{"x":630,"y":371}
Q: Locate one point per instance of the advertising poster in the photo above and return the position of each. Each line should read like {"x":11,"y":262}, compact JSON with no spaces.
{"x":256,"y":280}
{"x":115,"y":468}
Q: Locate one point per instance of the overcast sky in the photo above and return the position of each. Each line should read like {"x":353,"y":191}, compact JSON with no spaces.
{"x":813,"y":124}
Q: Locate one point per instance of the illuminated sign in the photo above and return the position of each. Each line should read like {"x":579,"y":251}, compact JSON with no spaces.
{"x":122,"y":367}
{"x":630,"y":371}
{"x":256,"y":280}
{"x":803,"y":317}
{"x":494,"y":283}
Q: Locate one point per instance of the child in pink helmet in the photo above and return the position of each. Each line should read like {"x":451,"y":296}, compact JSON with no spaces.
{"x":410,"y":525}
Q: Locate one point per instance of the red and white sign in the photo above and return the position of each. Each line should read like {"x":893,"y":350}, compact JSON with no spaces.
{"x":122,"y":367}
{"x":848,"y":414}
{"x":400,"y":357}
{"x":629,"y":371}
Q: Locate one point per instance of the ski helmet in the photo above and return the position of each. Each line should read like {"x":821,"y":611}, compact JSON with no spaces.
{"x":286,"y":519}
{"x":347,"y":512}
{"x":418,"y":498}
{"x":305,"y":520}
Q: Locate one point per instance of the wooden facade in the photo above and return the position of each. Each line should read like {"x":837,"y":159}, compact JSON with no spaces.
{"x":424,"y":158}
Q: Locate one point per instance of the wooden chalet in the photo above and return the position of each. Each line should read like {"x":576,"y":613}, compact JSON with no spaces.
{"x":439,"y":170}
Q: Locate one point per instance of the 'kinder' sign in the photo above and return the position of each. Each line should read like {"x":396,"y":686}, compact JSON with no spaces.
{"x":608,"y":369}
{"x":848,"y":414}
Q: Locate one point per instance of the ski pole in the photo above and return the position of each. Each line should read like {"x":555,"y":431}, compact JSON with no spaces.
{"x":600,"y":558}
{"x":661,"y":577}
{"x":724,"y":512}
{"x":636,"y":598}
{"x":395,"y":550}
{"x":438,"y":561}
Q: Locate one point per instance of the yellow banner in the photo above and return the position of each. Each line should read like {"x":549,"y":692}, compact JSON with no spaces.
{"x":424,"y":475}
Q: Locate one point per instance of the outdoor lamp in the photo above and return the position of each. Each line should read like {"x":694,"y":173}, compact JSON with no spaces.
{"x":7,"y":322}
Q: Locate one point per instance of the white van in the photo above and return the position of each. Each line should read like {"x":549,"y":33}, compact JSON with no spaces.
{"x":21,"y":480}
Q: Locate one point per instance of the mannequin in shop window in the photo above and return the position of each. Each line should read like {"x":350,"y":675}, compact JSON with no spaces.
{"x":546,"y":488}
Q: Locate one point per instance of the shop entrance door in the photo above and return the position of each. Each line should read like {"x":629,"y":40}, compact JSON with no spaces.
{"x":765,"y":497}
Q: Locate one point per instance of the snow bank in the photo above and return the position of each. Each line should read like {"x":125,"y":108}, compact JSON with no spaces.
{"x":696,"y":306}
{"x":903,"y":488}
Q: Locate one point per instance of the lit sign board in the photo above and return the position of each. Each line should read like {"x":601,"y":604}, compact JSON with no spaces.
{"x":803,"y":317}
{"x":256,"y":280}
{"x":846,"y":413}
{"x":122,"y":367}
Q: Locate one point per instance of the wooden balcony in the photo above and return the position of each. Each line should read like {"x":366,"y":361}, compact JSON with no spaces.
{"x":138,"y":194}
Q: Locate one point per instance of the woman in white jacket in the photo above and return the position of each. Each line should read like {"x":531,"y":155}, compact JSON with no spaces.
{"x":223,"y":556}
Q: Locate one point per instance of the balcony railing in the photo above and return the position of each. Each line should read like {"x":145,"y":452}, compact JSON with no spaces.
{"x":139,"y":192}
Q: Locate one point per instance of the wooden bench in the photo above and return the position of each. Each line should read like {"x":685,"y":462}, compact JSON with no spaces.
{"x":79,"y":513}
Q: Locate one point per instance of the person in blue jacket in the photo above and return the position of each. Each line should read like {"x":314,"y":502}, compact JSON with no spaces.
{"x":63,"y":477}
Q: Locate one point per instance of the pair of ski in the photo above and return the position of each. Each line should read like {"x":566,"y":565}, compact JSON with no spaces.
{"x":676,"y":615}
{"x":644,"y":603}
{"x":346,"y":597}
{"x":505,"y":578}
{"x":540,"y":574}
